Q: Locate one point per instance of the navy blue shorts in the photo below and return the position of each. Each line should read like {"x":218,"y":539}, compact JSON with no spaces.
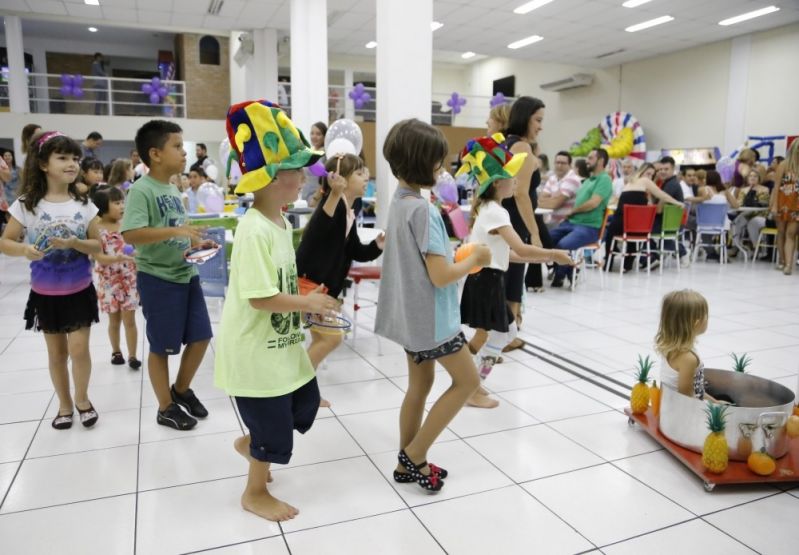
{"x":175,"y":313}
{"x":272,"y":421}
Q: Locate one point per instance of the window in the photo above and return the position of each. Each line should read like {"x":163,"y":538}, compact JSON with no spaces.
{"x":209,"y":51}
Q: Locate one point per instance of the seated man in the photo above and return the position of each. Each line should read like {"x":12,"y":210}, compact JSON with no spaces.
{"x":559,"y":190}
{"x":670,"y":184}
{"x":584,"y":221}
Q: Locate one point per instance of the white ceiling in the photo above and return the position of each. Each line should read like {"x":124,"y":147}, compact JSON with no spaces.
{"x":574,"y":31}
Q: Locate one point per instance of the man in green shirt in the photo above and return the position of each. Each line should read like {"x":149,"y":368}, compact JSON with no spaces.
{"x":582,"y":224}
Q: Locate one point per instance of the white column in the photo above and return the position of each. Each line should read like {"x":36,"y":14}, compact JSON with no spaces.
{"x":349,"y":105}
{"x":256,"y":78}
{"x":404,"y":79}
{"x":735,"y":118}
{"x":18,"y":81}
{"x":309,"y":94}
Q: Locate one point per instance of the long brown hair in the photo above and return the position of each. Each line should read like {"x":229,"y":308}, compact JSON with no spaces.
{"x":34,"y":182}
{"x":119,"y":171}
{"x":792,"y":159}
{"x":349,"y":165}
{"x":680,"y":313}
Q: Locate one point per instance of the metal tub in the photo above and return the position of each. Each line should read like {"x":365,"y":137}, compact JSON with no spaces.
{"x":757,"y":419}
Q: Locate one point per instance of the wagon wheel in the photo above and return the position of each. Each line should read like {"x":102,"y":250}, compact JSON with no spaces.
{"x":708,"y":486}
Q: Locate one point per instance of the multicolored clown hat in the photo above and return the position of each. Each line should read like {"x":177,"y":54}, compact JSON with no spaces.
{"x":265,"y":142}
{"x":486,"y":159}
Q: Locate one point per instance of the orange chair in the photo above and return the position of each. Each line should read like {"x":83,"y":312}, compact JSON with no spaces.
{"x":638,"y":222}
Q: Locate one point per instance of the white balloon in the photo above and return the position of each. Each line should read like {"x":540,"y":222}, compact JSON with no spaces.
{"x":344,"y":129}
{"x":339,"y":146}
{"x":204,"y":191}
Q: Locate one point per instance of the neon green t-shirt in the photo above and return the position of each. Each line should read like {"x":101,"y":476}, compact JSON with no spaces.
{"x":259,"y":353}
{"x":151,"y":203}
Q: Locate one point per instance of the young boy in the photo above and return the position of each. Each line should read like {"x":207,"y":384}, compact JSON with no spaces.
{"x":260,"y":357}
{"x":171,"y":297}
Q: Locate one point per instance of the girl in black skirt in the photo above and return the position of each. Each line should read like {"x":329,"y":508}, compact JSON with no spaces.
{"x":483,"y":303}
{"x":61,"y":231}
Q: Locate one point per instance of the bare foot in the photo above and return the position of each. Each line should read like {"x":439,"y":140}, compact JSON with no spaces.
{"x":324,"y":404}
{"x":481,"y":391}
{"x":242,"y":445}
{"x":482,"y":401}
{"x":268,"y":507}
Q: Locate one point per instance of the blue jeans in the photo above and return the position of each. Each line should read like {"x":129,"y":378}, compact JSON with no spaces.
{"x":571,"y":237}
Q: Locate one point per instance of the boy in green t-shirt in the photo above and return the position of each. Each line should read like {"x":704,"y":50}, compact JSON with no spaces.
{"x":171,"y":297}
{"x":260,"y":356}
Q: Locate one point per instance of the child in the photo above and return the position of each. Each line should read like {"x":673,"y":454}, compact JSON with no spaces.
{"x":62,"y":231}
{"x":91,"y":175}
{"x":121,"y":174}
{"x":483,"y":304}
{"x":683,"y":316}
{"x":330,"y":241}
{"x":116,"y":275}
{"x":418,"y":302}
{"x":260,"y":359}
{"x":171,"y":297}
{"x":196,"y":178}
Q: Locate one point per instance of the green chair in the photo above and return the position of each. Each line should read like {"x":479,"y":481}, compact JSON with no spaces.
{"x":671,"y":223}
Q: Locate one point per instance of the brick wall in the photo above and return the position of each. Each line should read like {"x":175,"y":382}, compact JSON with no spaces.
{"x":207,"y":86}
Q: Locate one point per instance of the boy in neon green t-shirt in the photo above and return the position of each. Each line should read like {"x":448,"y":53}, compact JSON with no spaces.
{"x":260,"y":356}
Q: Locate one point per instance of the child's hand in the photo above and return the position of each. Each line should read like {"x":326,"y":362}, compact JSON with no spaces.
{"x":481,"y":256}
{"x":32,"y":253}
{"x":207,"y":244}
{"x":125,"y":258}
{"x":380,"y":241}
{"x":193,"y":232}
{"x":60,"y":243}
{"x":562,"y":257}
{"x":318,"y":302}
{"x":337,"y":182}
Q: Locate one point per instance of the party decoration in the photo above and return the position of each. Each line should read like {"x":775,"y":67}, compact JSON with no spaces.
{"x":591,"y":140}
{"x":359,"y":95}
{"x":127,"y":250}
{"x":71,"y":85}
{"x":612,"y":126}
{"x":155,"y":90}
{"x":621,"y":145}
{"x":445,"y":187}
{"x":456,"y":102}
{"x":726,"y":168}
{"x":340,"y":133}
{"x":498,"y":99}
{"x":317,"y":169}
{"x":214,"y":202}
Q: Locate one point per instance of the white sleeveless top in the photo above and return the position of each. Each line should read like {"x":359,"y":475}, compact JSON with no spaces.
{"x":669,"y":377}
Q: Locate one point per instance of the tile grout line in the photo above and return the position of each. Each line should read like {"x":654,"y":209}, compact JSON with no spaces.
{"x":138,"y":447}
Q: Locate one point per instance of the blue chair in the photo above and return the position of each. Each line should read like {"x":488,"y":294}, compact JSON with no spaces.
{"x":710,"y":222}
{"x":213,"y":274}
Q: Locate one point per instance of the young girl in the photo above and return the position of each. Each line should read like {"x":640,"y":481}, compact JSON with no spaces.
{"x":116,"y":275}
{"x":121,"y":174}
{"x":418,"y":301}
{"x":483,"y":303}
{"x":91,"y":175}
{"x":330,"y":241}
{"x":785,"y":206}
{"x":62,"y":231}
{"x":683,"y":317}
{"x":196,"y":178}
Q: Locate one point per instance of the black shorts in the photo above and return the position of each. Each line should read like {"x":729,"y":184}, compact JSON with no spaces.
{"x":62,"y":313}
{"x":452,"y":346}
{"x":272,"y":421}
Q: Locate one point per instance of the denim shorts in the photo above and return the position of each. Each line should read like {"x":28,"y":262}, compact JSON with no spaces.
{"x":272,"y":421}
{"x":175,"y":313}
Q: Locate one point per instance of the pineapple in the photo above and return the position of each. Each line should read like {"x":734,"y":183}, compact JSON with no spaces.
{"x":740,"y":364}
{"x":639,"y":397}
{"x":714,"y":453}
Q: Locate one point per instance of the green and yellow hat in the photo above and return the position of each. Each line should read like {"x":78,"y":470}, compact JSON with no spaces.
{"x":265,"y":142}
{"x":486,"y":159}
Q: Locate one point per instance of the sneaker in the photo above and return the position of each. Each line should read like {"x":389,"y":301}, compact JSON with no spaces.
{"x":117,"y":359}
{"x":189,"y":401}
{"x":174,"y":417}
{"x":486,"y":365}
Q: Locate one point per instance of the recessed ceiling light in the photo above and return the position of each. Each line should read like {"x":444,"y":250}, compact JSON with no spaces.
{"x":92,"y":2}
{"x":647,"y":24}
{"x":749,"y":15}
{"x":436,"y":25}
{"x":371,"y":44}
{"x":92,"y":29}
{"x":525,"y":42}
{"x":634,"y":3}
{"x":467,"y":55}
{"x":530,"y":6}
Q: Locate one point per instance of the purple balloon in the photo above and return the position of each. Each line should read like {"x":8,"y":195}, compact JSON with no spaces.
{"x":154,"y":98}
{"x":359,"y":102}
{"x":156,"y":82}
{"x":726,"y":168}
{"x":77,"y":92}
{"x":66,"y":90}
{"x":317,"y":169}
{"x":447,"y":191}
{"x":147,"y":88}
{"x":67,"y":79}
{"x":78,"y":80}
{"x":127,"y":249}
{"x":162,"y":91}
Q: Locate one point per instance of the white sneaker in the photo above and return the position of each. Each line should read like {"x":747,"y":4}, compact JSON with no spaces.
{"x":685,"y":261}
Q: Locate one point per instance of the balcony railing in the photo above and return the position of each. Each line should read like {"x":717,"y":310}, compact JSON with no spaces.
{"x":111,"y":96}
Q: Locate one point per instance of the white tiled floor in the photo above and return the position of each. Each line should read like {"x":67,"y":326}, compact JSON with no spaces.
{"x":554,"y":469}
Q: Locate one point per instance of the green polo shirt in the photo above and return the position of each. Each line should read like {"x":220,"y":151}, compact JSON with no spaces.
{"x":595,"y":185}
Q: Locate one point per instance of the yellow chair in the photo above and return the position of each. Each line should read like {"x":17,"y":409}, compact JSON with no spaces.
{"x":773,"y":246}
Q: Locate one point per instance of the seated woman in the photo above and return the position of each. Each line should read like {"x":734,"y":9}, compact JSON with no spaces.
{"x":753,"y":194}
{"x":637,"y":192}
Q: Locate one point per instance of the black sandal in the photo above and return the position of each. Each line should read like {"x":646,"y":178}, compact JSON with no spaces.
{"x":430,"y":482}
{"x":88,"y":417}
{"x":117,"y":359}
{"x":63,"y":421}
{"x":406,"y":478}
{"x":134,"y":363}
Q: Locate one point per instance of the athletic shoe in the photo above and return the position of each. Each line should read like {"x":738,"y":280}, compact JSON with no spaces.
{"x":189,"y":401}
{"x":174,"y":417}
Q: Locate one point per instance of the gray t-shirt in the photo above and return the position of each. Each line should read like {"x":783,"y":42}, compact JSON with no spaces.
{"x":411,"y":311}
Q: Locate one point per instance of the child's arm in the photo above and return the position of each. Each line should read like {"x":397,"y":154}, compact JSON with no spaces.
{"x":442,"y":273}
{"x":148,"y":235}
{"x":315,"y":302}
{"x":337,"y":186}
{"x":685,"y":364}
{"x":11,"y":246}
{"x":521,"y":252}
{"x":91,"y":245}
{"x":661,"y":195}
{"x":106,"y":259}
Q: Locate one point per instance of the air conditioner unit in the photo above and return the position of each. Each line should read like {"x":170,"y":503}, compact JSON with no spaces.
{"x":575,"y":81}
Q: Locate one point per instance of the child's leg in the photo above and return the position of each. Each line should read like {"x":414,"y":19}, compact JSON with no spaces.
{"x":158,"y":368}
{"x":58,"y":355}
{"x":114,"y":321}
{"x":322,"y":345}
{"x":420,"y":381}
{"x":790,"y":246}
{"x":81,"y":365}
{"x":131,"y":333}
{"x":478,"y":340}
{"x":464,"y":382}
{"x":242,"y":446}
{"x":492,"y":349}
{"x":189,"y":363}
{"x":781,"y":241}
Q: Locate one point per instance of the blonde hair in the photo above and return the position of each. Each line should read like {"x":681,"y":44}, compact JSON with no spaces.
{"x":501,"y":115}
{"x":645,"y":166}
{"x":119,"y":171}
{"x":701,"y":175}
{"x":680,"y":313}
{"x":792,"y":158}
{"x":747,"y":156}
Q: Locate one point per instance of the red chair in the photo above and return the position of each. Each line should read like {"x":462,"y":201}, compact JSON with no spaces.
{"x":638,"y":222}
{"x":358,"y":274}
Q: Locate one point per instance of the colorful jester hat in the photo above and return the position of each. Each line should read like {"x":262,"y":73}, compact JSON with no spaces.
{"x":265,"y":142}
{"x":486,"y":159}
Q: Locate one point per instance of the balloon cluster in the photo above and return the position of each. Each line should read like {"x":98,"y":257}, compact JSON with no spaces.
{"x":71,"y":85}
{"x":155,"y":90}
{"x":456,"y":102}
{"x":592,"y":140}
{"x":621,"y":145}
{"x":497,"y":100}
{"x":343,"y":137}
{"x":726,"y":168}
{"x":359,"y":95}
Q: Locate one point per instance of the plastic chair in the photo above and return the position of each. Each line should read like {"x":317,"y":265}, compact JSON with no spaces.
{"x":591,"y":249}
{"x":772,"y":231}
{"x":213,"y":274}
{"x":638,"y":222}
{"x":673,"y":218}
{"x":710,"y":221}
{"x":358,"y":274}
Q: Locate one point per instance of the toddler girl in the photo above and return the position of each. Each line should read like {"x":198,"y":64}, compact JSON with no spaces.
{"x":91,"y":175}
